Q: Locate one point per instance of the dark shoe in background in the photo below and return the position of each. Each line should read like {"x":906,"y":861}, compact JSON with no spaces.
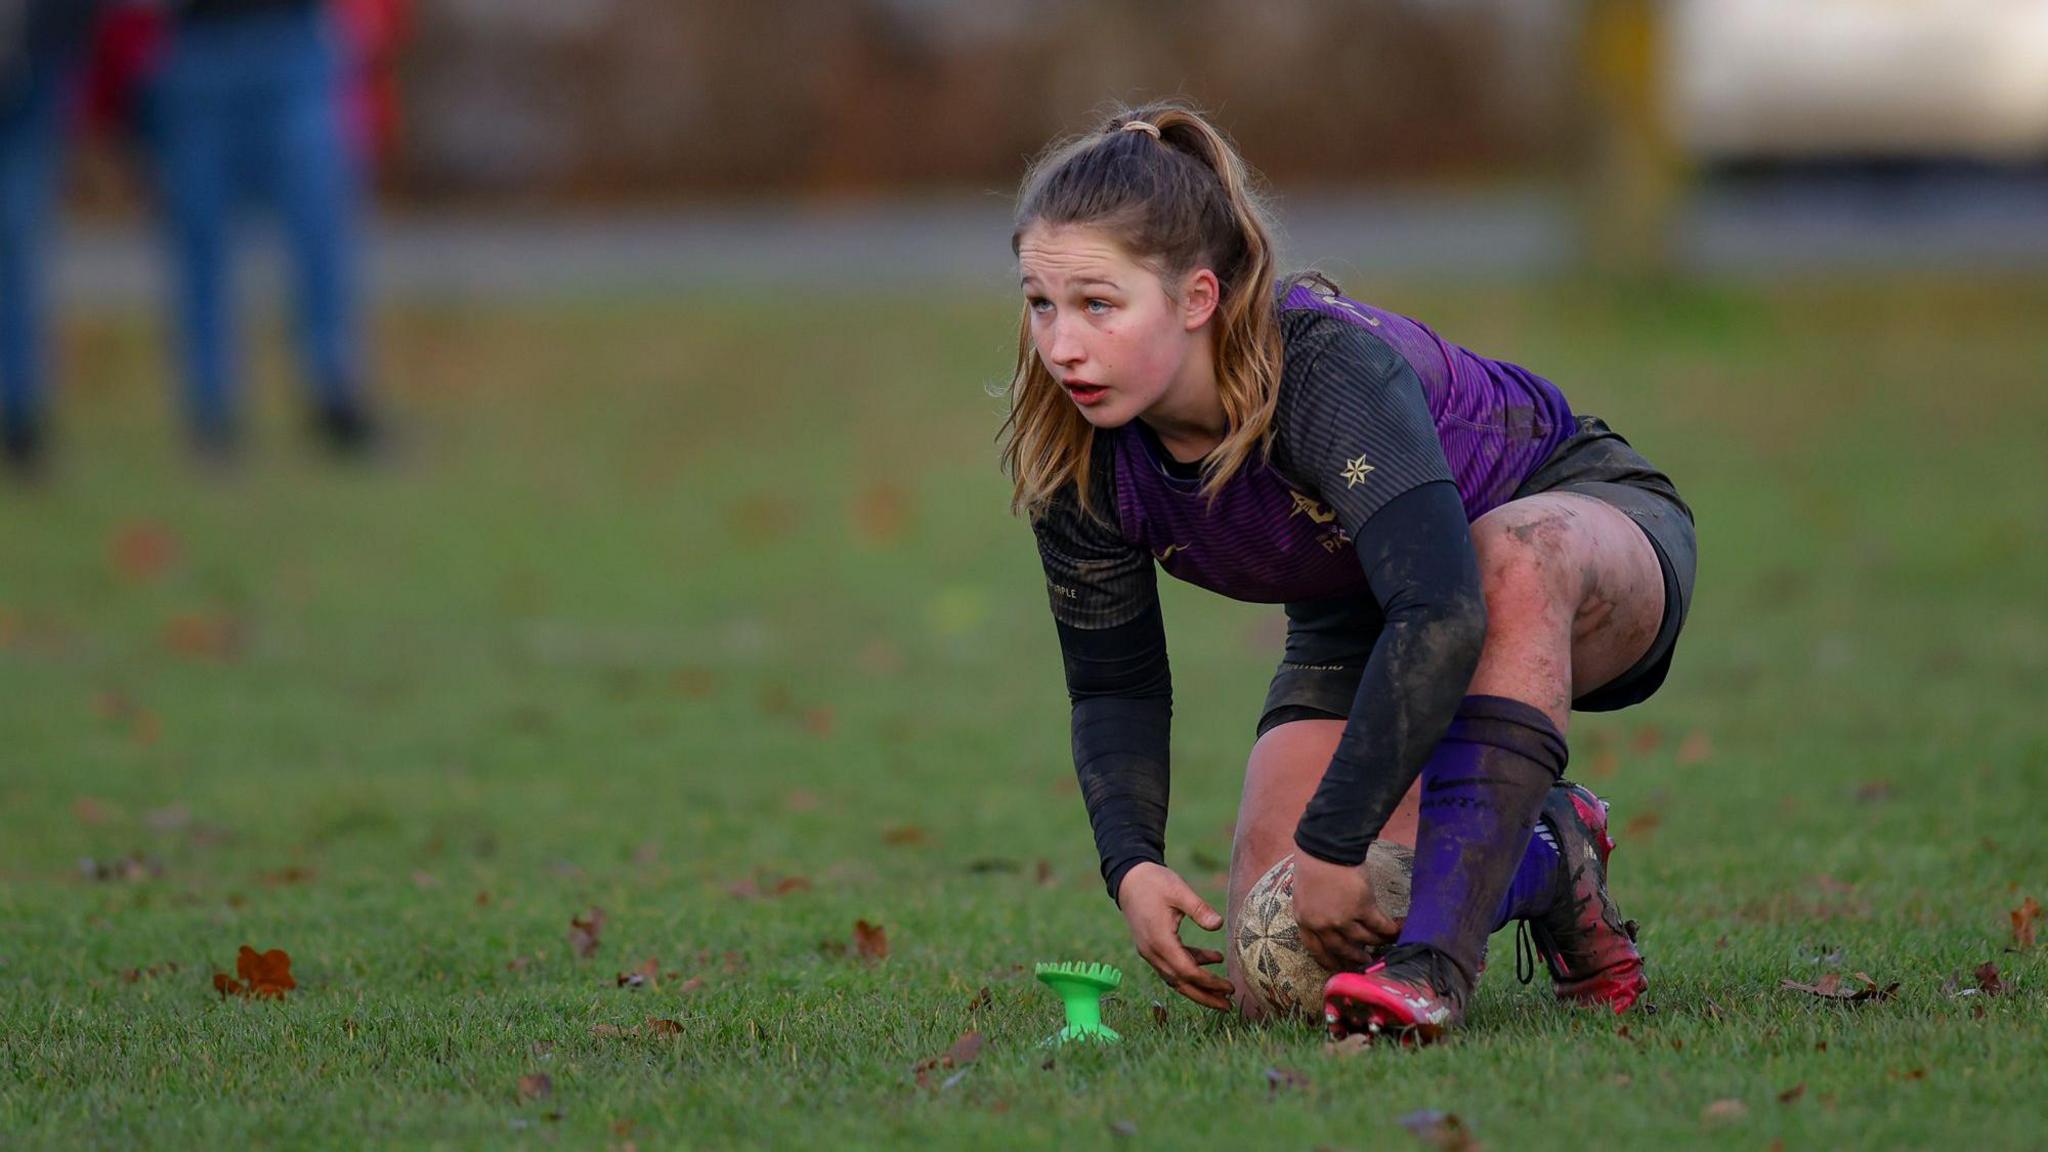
{"x":24,"y":448}
{"x":348,"y":431}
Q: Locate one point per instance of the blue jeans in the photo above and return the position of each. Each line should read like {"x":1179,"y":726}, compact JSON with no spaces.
{"x":249,"y":109}
{"x":31,"y":147}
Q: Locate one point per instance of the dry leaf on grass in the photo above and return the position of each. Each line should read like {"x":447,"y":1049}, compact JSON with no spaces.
{"x":584,"y":932}
{"x":264,"y":975}
{"x":1856,"y":989}
{"x":2023,"y":920}
{"x":536,"y":1086}
{"x":142,"y":551}
{"x":647,"y":975}
{"x":1696,"y":748}
{"x":1440,"y":1130}
{"x":203,"y":636}
{"x":966,"y":1050}
{"x":1724,"y":1112}
{"x":870,"y":941}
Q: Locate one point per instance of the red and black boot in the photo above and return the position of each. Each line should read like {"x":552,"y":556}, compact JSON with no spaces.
{"x":1414,"y":996}
{"x":1583,"y":939}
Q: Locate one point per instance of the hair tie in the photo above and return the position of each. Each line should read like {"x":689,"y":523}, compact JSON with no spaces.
{"x":1146,"y":127}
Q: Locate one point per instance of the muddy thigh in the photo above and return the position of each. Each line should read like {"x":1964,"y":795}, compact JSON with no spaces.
{"x":1574,"y":597}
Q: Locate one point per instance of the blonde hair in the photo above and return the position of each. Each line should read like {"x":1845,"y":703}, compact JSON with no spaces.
{"x":1174,"y":193}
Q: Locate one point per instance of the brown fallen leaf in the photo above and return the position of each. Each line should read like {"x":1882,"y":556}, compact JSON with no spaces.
{"x":1724,"y":1112}
{"x":1440,"y":1130}
{"x":264,"y":975}
{"x":1605,"y":763}
{"x":789,"y":884}
{"x":981,"y":1000}
{"x":881,"y":514}
{"x":1641,"y":824}
{"x":1351,"y":1045}
{"x":903,"y":834}
{"x":2023,"y":920}
{"x":203,"y":636}
{"x":1792,"y":1094}
{"x":662,"y":1026}
{"x":1046,"y":879}
{"x":136,"y":975}
{"x":584,"y":932}
{"x":1988,"y":981}
{"x":762,"y":518}
{"x":142,"y":551}
{"x":647,"y":975}
{"x":1833,"y":986}
{"x":870,"y":941}
{"x":966,"y":1050}
{"x":133,"y":868}
{"x":286,"y":877}
{"x":536,"y":1086}
{"x":1696,"y":748}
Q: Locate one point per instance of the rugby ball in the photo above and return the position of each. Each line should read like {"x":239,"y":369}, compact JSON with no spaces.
{"x":1267,"y":941}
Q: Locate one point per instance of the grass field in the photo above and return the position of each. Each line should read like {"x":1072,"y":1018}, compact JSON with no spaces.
{"x":706,"y":612}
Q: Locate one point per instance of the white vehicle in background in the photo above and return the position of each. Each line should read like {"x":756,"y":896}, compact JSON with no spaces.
{"x":1858,"y":80}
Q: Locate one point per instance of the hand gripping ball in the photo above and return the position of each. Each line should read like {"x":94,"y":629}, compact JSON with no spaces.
{"x":1279,"y":971}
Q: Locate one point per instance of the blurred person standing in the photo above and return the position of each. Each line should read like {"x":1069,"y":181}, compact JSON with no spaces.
{"x":250,"y":107}
{"x":43,"y":45}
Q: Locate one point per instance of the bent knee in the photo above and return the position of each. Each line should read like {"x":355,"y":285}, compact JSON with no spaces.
{"x":1528,"y":555}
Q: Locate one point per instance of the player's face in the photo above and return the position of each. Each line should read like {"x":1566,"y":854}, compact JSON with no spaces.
{"x":1103,"y":323}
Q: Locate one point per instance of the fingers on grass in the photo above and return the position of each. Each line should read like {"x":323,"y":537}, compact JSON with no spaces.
{"x":1206,"y":990}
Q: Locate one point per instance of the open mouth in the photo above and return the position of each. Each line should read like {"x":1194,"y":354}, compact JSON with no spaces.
{"x":1086,"y":394}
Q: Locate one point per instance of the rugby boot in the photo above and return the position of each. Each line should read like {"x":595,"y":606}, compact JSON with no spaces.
{"x":1414,"y":996}
{"x":1589,"y":949}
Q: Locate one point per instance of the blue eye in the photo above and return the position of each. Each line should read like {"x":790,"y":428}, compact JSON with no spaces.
{"x":1098,"y":306}
{"x":1038,"y":304}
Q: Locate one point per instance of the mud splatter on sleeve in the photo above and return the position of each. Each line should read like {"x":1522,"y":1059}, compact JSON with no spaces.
{"x":1353,"y":422}
{"x":1417,"y":553}
{"x":1105,"y":603}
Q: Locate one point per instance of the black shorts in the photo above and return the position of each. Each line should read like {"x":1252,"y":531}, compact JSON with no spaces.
{"x":1329,"y":641}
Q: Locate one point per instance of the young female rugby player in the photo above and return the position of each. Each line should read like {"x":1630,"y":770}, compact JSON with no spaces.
{"x":1464,"y":560}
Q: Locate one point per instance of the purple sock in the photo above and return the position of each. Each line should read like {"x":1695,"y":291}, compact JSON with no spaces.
{"x":1534,"y":886}
{"x":1482,"y":790}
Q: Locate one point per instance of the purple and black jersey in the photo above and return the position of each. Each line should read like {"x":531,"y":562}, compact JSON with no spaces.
{"x":1387,"y":442}
{"x":1372,"y":405}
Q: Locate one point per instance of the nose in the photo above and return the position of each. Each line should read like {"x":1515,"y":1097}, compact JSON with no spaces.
{"x":1063,"y":345}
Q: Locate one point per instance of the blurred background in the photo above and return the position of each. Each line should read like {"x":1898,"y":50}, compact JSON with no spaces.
{"x":527,"y":146}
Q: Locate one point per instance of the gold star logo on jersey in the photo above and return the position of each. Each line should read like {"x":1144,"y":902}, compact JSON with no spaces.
{"x":1355,"y":472}
{"x":1315,"y":511}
